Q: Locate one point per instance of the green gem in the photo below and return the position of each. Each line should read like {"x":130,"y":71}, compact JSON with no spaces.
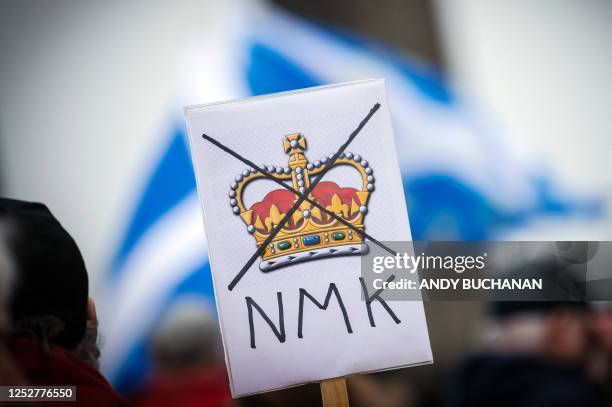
{"x":284,"y":245}
{"x":338,"y":236}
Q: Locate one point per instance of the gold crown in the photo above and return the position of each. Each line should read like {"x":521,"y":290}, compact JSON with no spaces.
{"x":310,"y":233}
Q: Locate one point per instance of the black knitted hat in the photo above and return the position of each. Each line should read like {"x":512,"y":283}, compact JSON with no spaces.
{"x":51,"y":279}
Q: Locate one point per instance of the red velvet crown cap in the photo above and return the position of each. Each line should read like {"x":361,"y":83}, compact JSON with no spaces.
{"x":283,"y":199}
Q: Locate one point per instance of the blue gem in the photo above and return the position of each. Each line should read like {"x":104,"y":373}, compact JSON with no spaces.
{"x":311,"y":240}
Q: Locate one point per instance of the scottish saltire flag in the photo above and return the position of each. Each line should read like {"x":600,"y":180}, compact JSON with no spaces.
{"x":461,"y":179}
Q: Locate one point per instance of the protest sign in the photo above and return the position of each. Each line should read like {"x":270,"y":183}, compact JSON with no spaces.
{"x":295,"y":187}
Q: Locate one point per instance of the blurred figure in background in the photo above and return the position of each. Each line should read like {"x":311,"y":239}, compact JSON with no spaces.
{"x":53,"y":332}
{"x":536,"y":354}
{"x":188,"y":370}
{"x":600,"y":361}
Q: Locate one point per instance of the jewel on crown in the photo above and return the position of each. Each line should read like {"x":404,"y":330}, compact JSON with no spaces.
{"x":310,"y":233}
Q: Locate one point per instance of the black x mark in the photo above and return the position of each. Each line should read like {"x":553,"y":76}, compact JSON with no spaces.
{"x":301,"y":197}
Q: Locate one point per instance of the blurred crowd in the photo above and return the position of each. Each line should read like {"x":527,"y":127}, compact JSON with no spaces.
{"x":530,"y":353}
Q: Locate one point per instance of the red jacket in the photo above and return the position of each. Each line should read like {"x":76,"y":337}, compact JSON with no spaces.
{"x":58,"y":367}
{"x":202,"y":387}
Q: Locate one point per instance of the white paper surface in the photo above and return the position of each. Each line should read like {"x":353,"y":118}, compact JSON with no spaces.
{"x":255,"y":128}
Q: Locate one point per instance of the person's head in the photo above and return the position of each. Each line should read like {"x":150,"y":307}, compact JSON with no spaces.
{"x":552,"y":323}
{"x":50,"y":294}
{"x":188,"y":337}
{"x":547,"y":328}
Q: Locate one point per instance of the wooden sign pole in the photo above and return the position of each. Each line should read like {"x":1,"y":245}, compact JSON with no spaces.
{"x":333,"y":392}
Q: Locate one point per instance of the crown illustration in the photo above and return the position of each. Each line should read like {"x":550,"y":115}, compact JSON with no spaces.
{"x":310,"y":233}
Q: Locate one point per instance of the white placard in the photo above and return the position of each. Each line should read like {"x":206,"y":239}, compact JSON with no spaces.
{"x":311,"y":269}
